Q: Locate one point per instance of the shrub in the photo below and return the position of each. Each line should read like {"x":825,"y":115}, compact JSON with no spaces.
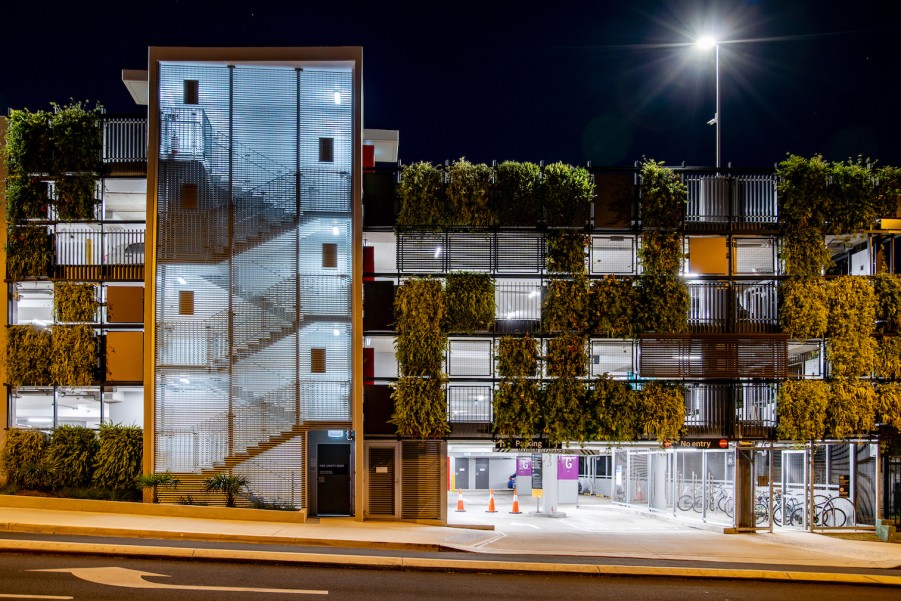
{"x":23,"y":448}
{"x":852,"y":306}
{"x":566,"y":306}
{"x":74,"y":355}
{"x":119,"y":458}
{"x":888,"y":358}
{"x":468,"y":194}
{"x":661,"y":253}
{"x":230,"y":485}
{"x":802,"y":187}
{"x":517,"y":408}
{"x":852,"y":197}
{"x":665,"y":301}
{"x":77,"y":137}
{"x":28,"y":142}
{"x":566,"y":252}
{"x":420,"y":309}
{"x":517,"y":357}
{"x":567,"y":193}
{"x":803,"y":311}
{"x":469,"y":301}
{"x":612,"y":304}
{"x":517,"y":193}
{"x":619,"y":410}
{"x":28,"y":356}
{"x":564,"y":412}
{"x":71,"y":454}
{"x":890,"y":404}
{"x":567,"y":356}
{"x":851,"y":356}
{"x":420,"y":407}
{"x":888,"y":191}
{"x":26,"y":198}
{"x":663,"y":196}
{"x":422,"y":196}
{"x":801,"y":407}
{"x":75,"y":302}
{"x":155,"y":481}
{"x":851,"y":408}
{"x":28,"y":252}
{"x":663,"y":410}
{"x":76,"y":197}
{"x":887,"y":288}
{"x":804,"y":253}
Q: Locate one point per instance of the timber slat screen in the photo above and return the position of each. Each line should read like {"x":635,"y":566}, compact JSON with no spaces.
{"x":696,"y":356}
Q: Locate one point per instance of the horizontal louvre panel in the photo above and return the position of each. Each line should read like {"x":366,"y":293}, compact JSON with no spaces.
{"x":420,"y":252}
{"x":381,"y":482}
{"x":422,"y":492}
{"x":472,"y":252}
{"x":711,"y":357}
{"x":520,"y":252}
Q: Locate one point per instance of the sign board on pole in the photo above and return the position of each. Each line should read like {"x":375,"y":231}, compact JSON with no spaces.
{"x":536,"y":473}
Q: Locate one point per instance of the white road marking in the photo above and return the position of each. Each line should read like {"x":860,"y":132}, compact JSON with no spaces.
{"x":113,"y":576}
{"x":15,"y":596}
{"x":523,"y":525}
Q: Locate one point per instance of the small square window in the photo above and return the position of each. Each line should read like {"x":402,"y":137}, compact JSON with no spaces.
{"x":326,"y":150}
{"x":189,"y":196}
{"x":191,"y":91}
{"x":186,"y":302}
{"x":317,"y":360}
{"x":329,"y":255}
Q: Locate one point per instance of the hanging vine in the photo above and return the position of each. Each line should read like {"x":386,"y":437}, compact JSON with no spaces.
{"x":801,"y":407}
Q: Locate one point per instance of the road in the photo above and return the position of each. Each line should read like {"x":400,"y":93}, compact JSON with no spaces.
{"x":121,"y":579}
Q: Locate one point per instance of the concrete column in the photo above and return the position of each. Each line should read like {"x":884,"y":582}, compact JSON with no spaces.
{"x":657,"y":494}
{"x":744,"y":488}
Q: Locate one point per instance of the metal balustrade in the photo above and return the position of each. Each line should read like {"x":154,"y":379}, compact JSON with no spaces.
{"x":740,"y":199}
{"x":124,"y":140}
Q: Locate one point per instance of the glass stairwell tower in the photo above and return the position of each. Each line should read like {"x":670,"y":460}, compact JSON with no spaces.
{"x":257,"y":164}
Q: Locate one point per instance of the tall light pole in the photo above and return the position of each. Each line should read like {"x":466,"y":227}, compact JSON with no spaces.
{"x":706,"y":43}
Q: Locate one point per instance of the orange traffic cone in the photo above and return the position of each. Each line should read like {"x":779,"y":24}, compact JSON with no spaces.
{"x":460,"y":500}
{"x":491,"y":508}
{"x":515,"y":503}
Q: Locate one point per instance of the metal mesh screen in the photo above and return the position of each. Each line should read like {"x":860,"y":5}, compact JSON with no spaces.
{"x":754,"y":256}
{"x":523,"y":252}
{"x":235,"y":376}
{"x":472,"y":252}
{"x":614,"y":357}
{"x":613,"y":254}
{"x":469,"y":358}
{"x":470,"y":404}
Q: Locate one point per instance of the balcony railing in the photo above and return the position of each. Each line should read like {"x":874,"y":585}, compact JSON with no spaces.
{"x":745,"y":200}
{"x":124,"y":140}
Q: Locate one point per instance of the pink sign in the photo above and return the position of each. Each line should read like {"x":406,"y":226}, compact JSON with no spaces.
{"x":567,"y":467}
{"x":523,"y":466}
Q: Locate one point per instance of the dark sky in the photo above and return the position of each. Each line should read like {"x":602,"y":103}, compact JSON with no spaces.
{"x":605,"y":81}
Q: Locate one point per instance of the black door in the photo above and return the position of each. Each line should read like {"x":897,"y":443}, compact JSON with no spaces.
{"x":461,"y":480}
{"x":333,"y":484}
{"x":482,"y":481}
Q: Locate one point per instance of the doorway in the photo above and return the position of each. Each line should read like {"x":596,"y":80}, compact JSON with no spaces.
{"x":461,"y":476}
{"x":482,"y":480}
{"x":333,"y":479}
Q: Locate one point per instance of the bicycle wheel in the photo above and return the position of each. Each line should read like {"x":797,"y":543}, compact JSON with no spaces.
{"x":685,"y":502}
{"x":762,"y":513}
{"x":777,"y":515}
{"x":834,"y":517}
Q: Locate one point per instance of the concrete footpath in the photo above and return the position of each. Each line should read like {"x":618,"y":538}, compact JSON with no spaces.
{"x":595,"y":529}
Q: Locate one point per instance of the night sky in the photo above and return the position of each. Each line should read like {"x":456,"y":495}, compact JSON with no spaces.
{"x":605,"y":81}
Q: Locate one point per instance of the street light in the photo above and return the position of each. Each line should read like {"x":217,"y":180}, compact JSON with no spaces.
{"x":706,"y":43}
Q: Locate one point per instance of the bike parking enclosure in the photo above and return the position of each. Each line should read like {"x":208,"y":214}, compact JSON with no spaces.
{"x":834,"y":485}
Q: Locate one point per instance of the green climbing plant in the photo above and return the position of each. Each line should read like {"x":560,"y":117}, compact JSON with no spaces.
{"x":517,"y":357}
{"x":803,"y":198}
{"x":71,"y":454}
{"x":663,"y":410}
{"x":887,"y":287}
{"x":28,"y":252}
{"x":566,"y":252}
{"x":664,"y":304}
{"x":517,"y":408}
{"x":851,"y":408}
{"x":565,"y":306}
{"x":800,"y":407}
{"x":890,"y":404}
{"x":469,"y":194}
{"x":74,"y":302}
{"x":612,"y":304}
{"x":804,"y":307}
{"x":567,"y":193}
{"x":420,"y":407}
{"x":661,"y":253}
{"x":664,"y":196}
{"x":804,"y":253}
{"x":619,"y":410}
{"x":469,"y":301}
{"x":516,"y":194}
{"x":119,"y":459}
{"x":23,"y":448}
{"x":420,"y":308}
{"x":422,"y":196}
{"x":74,"y":355}
{"x":76,"y":197}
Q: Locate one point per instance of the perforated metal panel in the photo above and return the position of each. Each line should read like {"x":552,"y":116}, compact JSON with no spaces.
{"x":614,"y":357}
{"x":469,"y":403}
{"x":422,"y":489}
{"x":613,"y":255}
{"x":470,"y":358}
{"x":754,"y":256}
{"x":381,"y":468}
{"x":236,"y":377}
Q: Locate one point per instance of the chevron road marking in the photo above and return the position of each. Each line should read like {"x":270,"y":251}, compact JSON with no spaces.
{"x":113,"y":576}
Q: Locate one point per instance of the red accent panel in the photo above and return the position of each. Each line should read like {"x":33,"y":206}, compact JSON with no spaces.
{"x":368,"y":156}
{"x":368,"y":365}
{"x":368,"y":262}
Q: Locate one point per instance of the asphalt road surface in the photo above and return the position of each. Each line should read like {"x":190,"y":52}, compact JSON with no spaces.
{"x":121,"y":579}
